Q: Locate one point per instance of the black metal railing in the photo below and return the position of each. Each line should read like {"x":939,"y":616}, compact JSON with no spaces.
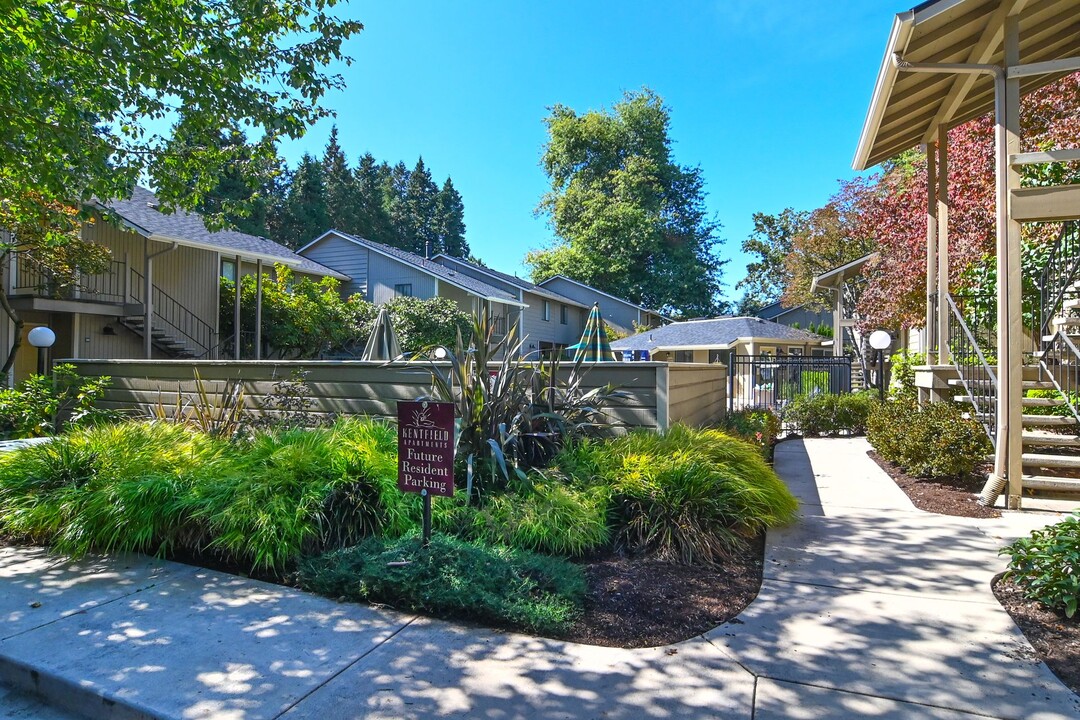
{"x":1058,"y":276}
{"x":176,"y":319}
{"x":972,"y":332}
{"x":106,"y":286}
{"x":1060,"y":362}
{"x":773,"y":382}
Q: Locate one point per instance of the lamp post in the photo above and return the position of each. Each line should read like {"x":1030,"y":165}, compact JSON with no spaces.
{"x":880,"y":341}
{"x":42,"y":338}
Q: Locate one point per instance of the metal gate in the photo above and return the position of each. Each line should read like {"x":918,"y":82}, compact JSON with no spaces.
{"x":772,"y":382}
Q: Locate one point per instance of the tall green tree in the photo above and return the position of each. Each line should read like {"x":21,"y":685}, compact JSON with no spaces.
{"x":628,"y":219}
{"x":450,"y":214}
{"x":771,"y":241}
{"x":304,"y":214}
{"x":342,"y":194}
{"x":241,"y":198}
{"x":395,"y":184}
{"x":97,"y":95}
{"x":421,"y":224}
{"x":373,"y":222}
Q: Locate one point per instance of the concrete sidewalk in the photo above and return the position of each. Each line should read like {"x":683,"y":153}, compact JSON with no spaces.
{"x":869,"y":608}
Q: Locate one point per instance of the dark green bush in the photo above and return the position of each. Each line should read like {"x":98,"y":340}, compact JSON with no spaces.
{"x":902,"y":374}
{"x":454,"y":579}
{"x":935,"y":440}
{"x":759,"y":426}
{"x":829,"y":414}
{"x":1060,"y":410}
{"x":1046,"y":565}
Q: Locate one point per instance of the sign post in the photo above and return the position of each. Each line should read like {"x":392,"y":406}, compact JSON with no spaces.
{"x":426,"y":452}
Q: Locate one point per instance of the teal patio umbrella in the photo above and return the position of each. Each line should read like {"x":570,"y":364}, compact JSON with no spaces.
{"x":382,"y":344}
{"x":594,"y":345}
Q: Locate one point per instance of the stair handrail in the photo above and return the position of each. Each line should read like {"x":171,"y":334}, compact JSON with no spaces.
{"x":181,"y":320}
{"x":961,"y":343}
{"x":1061,"y":270}
{"x":1070,"y":388}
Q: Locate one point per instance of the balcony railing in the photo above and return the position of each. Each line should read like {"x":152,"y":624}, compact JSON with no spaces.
{"x":106,"y":287}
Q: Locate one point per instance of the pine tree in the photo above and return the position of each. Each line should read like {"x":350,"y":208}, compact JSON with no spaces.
{"x":304,"y":215}
{"x":342,"y":197}
{"x":421,"y":229}
{"x":450,"y":211}
{"x":395,"y":182}
{"x":373,"y":222}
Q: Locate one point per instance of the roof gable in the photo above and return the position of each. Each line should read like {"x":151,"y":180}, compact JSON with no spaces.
{"x":717,"y":332}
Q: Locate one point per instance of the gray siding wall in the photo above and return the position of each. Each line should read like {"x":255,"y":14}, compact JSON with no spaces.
{"x":347,"y":258}
{"x":386,"y":272}
{"x":617,"y":313}
{"x":552,"y":330}
{"x":464,"y":300}
{"x":654,"y":395}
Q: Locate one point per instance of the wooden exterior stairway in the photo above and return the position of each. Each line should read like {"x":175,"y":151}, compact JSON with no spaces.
{"x":162,"y":340}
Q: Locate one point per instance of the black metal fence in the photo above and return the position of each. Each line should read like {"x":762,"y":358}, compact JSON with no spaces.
{"x":773,"y":382}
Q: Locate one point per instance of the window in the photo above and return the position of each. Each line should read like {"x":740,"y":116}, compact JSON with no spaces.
{"x":686,"y":356}
{"x":720,"y":356}
{"x":403,"y":290}
{"x":228,"y":269}
{"x":817,"y":352}
{"x":796,"y":351}
{"x":564,"y":314}
{"x":547,"y":311}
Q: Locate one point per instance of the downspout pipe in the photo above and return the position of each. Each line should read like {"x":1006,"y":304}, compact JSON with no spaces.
{"x":148,"y":299}
{"x":996,"y":483}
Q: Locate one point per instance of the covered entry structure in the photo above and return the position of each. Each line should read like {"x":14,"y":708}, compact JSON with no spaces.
{"x":947,"y":62}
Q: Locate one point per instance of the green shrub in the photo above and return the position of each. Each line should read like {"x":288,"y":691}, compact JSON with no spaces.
{"x":116,"y":487}
{"x":1046,"y":565}
{"x":935,"y":440}
{"x":759,"y":426}
{"x":902,"y":380}
{"x":48,"y":404}
{"x":684,"y":494}
{"x":454,"y":579}
{"x":1062,"y":410}
{"x":829,"y":414}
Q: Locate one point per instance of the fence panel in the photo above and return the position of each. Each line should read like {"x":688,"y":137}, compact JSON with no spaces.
{"x":773,"y":382}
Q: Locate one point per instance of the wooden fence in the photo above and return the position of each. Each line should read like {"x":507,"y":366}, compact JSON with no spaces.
{"x":652,"y":394}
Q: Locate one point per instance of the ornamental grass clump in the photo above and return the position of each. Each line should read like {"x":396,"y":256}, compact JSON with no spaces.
{"x":122,"y":487}
{"x":453,"y":578}
{"x":686,"y":495}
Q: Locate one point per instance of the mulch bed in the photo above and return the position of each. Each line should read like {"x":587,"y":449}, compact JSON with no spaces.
{"x":643,"y":602}
{"x":957,"y":497}
{"x":1055,"y":638}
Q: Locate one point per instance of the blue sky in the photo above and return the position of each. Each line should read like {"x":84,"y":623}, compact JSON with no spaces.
{"x":767,"y":97}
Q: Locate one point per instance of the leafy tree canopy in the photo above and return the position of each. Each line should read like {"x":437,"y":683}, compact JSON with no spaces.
{"x":628,"y":219}
{"x":771,"y":242}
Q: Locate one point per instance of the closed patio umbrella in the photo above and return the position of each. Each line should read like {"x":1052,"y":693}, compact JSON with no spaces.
{"x":594,"y":345}
{"x":382,"y":344}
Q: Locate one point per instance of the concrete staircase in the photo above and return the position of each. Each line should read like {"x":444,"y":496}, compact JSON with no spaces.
{"x":162,"y":340}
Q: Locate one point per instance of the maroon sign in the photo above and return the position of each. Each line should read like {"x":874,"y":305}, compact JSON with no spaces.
{"x":426,"y":447}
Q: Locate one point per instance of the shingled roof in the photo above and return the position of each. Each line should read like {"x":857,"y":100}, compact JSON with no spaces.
{"x":142,"y":214}
{"x":509,"y":279}
{"x":443,"y":273}
{"x":715,"y":333}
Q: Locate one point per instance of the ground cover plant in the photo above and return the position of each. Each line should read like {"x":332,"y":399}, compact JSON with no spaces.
{"x":1046,"y":565}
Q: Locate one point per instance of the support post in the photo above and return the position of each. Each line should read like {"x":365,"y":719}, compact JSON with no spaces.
{"x":838,"y":320}
{"x":929,"y":338}
{"x":1011,"y":362}
{"x":258,"y":309}
{"x":236,"y":313}
{"x":148,"y":306}
{"x":943,"y":247}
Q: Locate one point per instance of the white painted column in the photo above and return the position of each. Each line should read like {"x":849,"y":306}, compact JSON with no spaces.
{"x":236,"y":314}
{"x":943,"y":247}
{"x":1012,"y":361}
{"x":258,"y":309}
{"x":931,"y":251}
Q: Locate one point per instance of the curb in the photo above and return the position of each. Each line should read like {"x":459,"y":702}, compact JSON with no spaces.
{"x":65,"y":694}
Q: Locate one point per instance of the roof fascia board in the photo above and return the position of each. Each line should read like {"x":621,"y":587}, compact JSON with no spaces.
{"x":601,"y":292}
{"x":930,"y":10}
{"x":224,"y":250}
{"x":370,"y":246}
{"x":820,"y":281}
{"x":903,"y":26}
{"x":521,"y":288}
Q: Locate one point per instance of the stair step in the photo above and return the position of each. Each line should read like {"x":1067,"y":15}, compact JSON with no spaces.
{"x":1055,"y":461}
{"x":1047,"y":420}
{"x":1043,"y":402}
{"x":1048,"y":438}
{"x":1051,"y":484}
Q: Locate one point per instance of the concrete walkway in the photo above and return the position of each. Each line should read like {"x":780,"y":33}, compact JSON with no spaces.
{"x":869,"y":608}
